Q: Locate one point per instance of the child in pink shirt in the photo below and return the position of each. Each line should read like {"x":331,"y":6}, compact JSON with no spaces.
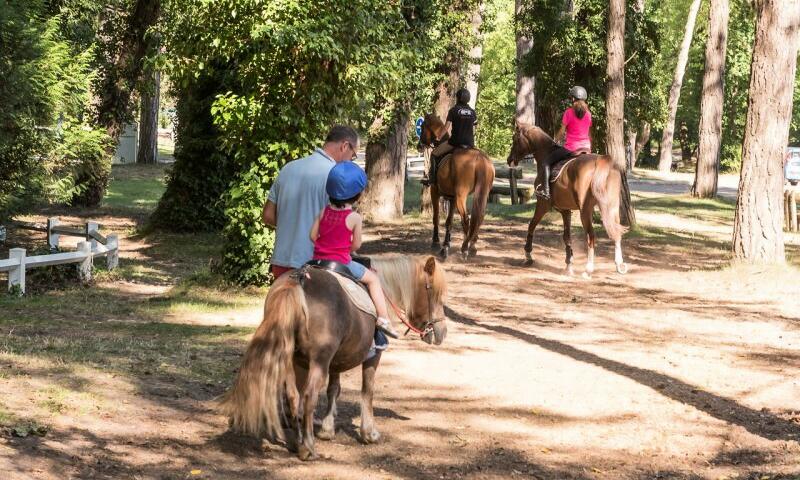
{"x":576,"y":125}
{"x":337,"y":232}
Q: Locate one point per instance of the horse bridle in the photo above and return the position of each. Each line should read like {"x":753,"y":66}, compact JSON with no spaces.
{"x":428,"y":328}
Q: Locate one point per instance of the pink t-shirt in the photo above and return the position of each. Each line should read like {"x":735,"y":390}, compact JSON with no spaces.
{"x":334,"y":239}
{"x":577,"y":131}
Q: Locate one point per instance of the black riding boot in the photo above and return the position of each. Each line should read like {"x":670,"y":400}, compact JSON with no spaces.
{"x":431,"y":172}
{"x":546,"y":183}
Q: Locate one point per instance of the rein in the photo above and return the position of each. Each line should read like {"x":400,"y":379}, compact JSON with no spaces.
{"x":428,"y":328}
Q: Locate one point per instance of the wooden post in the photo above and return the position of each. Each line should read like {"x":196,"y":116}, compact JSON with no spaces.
{"x":91,"y":227}
{"x":512,"y":181}
{"x":52,"y":238}
{"x":793,"y":209}
{"x":112,"y":258}
{"x":16,"y":277}
{"x":85,"y":267}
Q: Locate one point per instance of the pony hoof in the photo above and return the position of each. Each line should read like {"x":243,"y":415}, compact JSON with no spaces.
{"x":443,"y":253}
{"x":306,"y":454}
{"x":528,"y":262}
{"x":473,"y":252}
{"x":326,"y":434}
{"x":435,"y":245}
{"x":622,"y":268}
{"x":570,"y":271}
{"x":587,"y":275}
{"x":372,"y":437}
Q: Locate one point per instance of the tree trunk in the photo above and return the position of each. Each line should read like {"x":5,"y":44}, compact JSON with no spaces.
{"x":707,"y":171}
{"x":615,"y":102}
{"x":386,"y":168}
{"x":525,"y":111}
{"x":758,"y":225}
{"x":475,"y":56}
{"x":124,"y":52}
{"x":665,"y":160}
{"x":642,"y":141}
{"x":446,"y":93}
{"x":630,"y":150}
{"x":148,"y":123}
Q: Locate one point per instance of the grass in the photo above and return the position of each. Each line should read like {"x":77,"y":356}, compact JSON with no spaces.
{"x":135,"y":187}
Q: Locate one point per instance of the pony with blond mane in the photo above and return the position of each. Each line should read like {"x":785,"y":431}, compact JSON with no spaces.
{"x":586,"y":181}
{"x":310,"y":331}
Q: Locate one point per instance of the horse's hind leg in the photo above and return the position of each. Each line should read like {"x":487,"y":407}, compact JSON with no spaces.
{"x":586,"y":220}
{"x":461,"y":206}
{"x":447,"y":224}
{"x":542,"y":206}
{"x":435,"y":205}
{"x":316,"y":375}
{"x":328,"y":429}
{"x":566,"y":215}
{"x":369,"y":434}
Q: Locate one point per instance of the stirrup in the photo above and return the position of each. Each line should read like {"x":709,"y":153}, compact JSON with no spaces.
{"x":540,"y":192}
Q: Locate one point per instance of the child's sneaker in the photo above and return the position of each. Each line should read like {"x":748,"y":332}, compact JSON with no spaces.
{"x":386,"y":327}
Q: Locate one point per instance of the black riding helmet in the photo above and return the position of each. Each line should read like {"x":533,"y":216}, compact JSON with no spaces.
{"x":462,"y":96}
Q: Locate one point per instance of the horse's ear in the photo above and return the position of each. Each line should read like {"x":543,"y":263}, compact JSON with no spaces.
{"x":430,"y":265}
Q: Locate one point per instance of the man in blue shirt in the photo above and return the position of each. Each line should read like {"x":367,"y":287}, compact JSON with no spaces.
{"x":298,"y":195}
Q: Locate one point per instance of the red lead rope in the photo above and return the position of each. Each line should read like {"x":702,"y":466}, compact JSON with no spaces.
{"x":402,"y":316}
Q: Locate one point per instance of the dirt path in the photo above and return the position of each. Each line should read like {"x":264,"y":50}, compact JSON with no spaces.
{"x":673,"y":371}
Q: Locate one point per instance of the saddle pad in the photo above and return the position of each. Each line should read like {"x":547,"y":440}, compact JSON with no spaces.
{"x":357,"y":294}
{"x":558,"y":168}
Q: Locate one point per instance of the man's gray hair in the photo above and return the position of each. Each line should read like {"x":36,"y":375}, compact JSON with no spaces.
{"x":342,"y":133}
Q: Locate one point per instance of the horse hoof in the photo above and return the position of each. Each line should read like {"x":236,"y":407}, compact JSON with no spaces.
{"x":569,"y":271}
{"x":528,"y":262}
{"x":443,"y":253}
{"x":435,"y":245}
{"x":473,"y":252}
{"x":371,"y":437}
{"x":622,"y":268}
{"x":305,"y":454}
{"x":326,"y":434}
{"x":587,"y":275}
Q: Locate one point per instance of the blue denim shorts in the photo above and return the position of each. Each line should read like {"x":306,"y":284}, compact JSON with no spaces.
{"x":356,"y":269}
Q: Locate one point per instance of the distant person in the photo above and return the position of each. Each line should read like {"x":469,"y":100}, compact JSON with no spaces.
{"x":336,"y":234}
{"x":460,"y":124}
{"x":298,"y":195}
{"x":576,"y":125}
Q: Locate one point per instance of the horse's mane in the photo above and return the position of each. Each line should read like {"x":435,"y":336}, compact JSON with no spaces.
{"x":529,"y":130}
{"x":434,"y":120}
{"x":399,"y":275}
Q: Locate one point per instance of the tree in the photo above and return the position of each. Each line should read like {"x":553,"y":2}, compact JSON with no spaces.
{"x":525,"y":107}
{"x":708,"y":155}
{"x":615,"y":101}
{"x":665,"y":162}
{"x":386,"y":166}
{"x":148,"y":121}
{"x":758,"y":224}
{"x":475,"y":55}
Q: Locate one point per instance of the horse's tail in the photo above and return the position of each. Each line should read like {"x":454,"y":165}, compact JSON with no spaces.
{"x":606,"y":187}
{"x":484,"y":179}
{"x":253,"y":404}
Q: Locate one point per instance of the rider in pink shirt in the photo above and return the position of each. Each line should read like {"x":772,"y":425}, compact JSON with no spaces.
{"x":576,"y":124}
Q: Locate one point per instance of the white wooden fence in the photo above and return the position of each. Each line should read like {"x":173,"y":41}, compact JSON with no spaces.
{"x":96,"y":245}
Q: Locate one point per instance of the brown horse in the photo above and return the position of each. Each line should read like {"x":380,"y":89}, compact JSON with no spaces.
{"x":586,"y":181}
{"x":464,"y":171}
{"x":311,"y":331}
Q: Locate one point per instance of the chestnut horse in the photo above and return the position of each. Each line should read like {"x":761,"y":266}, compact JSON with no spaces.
{"x":311,"y":331}
{"x":463,"y":171}
{"x":587,"y":180}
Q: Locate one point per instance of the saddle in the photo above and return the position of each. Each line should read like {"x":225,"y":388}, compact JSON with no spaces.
{"x":356,"y":291}
{"x":558,"y":167}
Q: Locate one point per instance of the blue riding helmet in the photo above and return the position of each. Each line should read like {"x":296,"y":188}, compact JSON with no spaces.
{"x":345,"y":181}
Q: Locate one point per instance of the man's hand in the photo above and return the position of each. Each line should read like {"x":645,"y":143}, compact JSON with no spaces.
{"x":270,"y":214}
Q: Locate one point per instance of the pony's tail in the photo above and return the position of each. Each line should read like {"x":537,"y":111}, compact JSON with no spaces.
{"x":253,"y":404}
{"x":606,"y":188}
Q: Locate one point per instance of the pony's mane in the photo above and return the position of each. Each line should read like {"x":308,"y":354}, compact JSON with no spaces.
{"x":400,"y":274}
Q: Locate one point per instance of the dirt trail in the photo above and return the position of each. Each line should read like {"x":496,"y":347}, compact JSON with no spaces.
{"x":673,"y":371}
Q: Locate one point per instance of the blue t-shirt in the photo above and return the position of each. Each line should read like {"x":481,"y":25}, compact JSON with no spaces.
{"x":299,"y":194}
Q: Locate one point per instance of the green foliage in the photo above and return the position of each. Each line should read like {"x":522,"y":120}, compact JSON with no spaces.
{"x":291,"y":69}
{"x":46,"y":58}
{"x":569,"y":48}
{"x":202,"y":171}
{"x":497,"y":99}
